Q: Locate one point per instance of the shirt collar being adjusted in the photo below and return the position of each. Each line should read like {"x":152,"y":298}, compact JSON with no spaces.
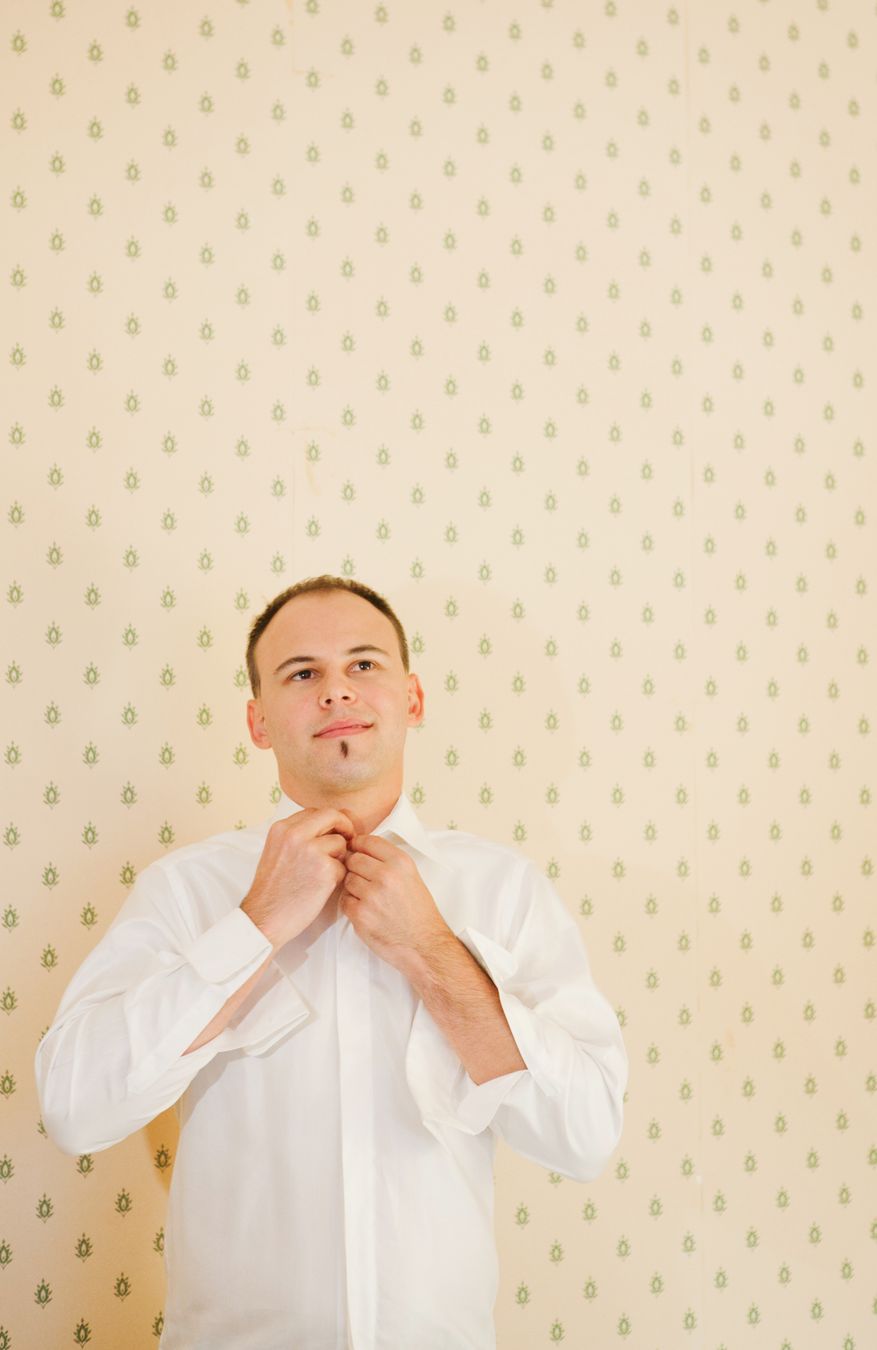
{"x":402,"y":821}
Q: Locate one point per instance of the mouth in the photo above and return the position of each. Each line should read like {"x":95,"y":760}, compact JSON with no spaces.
{"x":352,"y":729}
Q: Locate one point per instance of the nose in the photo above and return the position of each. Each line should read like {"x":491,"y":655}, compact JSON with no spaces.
{"x":336,"y":690}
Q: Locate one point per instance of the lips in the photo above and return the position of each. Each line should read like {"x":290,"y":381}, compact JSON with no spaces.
{"x":343,"y":729}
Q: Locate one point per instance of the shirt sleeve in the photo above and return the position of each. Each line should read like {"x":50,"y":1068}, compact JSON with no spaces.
{"x":565,"y":1110}
{"x":113,"y":1057}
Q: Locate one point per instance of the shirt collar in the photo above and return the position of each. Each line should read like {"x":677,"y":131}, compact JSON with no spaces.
{"x":402,"y":820}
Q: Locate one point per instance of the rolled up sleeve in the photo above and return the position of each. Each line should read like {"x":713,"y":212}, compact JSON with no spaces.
{"x":114,"y":1056}
{"x":565,"y":1110}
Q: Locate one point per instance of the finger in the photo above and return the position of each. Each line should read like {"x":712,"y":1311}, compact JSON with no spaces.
{"x":354,"y":886}
{"x":330,"y":819}
{"x":376,"y":847}
{"x":363,"y":864}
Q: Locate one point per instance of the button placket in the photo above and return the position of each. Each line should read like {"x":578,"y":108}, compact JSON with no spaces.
{"x":353,"y":995}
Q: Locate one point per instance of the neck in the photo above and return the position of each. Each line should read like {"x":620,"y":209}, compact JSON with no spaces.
{"x":367,"y":806}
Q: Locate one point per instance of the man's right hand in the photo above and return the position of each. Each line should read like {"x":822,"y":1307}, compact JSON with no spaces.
{"x":302,"y":864}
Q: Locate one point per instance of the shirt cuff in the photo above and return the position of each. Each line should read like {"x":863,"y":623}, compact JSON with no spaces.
{"x":231,"y":943}
{"x":278,"y":1008}
{"x":193,"y":987}
{"x":480,"y":1102}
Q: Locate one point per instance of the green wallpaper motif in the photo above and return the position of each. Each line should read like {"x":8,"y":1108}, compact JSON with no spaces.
{"x":552,"y":322}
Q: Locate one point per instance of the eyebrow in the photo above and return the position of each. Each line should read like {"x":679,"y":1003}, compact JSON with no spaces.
{"x":294,"y":660}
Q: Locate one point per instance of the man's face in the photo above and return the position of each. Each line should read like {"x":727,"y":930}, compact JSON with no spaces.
{"x":297,"y":701}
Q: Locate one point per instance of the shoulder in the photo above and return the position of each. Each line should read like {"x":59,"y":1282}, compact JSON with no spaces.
{"x":214,"y":853}
{"x":463,"y":849}
{"x":498,"y":888}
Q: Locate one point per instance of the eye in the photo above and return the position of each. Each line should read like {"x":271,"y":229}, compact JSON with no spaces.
{"x":307,"y":671}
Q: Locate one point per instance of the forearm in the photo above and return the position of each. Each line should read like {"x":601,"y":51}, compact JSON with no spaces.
{"x":464,"y":1002}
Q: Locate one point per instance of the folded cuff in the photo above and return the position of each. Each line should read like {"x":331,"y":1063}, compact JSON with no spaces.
{"x":191,"y":989}
{"x":231,"y":943}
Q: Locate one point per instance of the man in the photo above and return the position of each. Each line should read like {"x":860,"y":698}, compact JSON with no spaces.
{"x":347,"y":1008}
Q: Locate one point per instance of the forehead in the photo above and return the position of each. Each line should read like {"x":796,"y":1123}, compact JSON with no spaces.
{"x":320,"y":621}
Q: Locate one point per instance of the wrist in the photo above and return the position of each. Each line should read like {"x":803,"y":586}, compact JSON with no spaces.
{"x":263,"y":925}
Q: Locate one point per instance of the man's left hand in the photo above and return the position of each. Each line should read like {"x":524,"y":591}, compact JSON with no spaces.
{"x":387,"y":902}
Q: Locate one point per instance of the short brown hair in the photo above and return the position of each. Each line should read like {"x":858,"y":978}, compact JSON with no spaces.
{"x":321,"y":583}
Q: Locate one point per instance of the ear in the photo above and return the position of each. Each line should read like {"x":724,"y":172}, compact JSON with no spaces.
{"x":416,"y":700}
{"x":256,"y":723}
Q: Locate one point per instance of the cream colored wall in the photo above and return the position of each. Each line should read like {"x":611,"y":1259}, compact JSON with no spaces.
{"x":554,"y":323}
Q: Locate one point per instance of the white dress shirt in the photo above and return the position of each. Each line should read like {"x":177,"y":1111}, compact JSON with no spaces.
{"x":333,"y":1184}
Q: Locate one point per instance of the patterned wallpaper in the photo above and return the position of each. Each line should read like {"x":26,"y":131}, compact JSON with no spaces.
{"x":551,"y":322}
